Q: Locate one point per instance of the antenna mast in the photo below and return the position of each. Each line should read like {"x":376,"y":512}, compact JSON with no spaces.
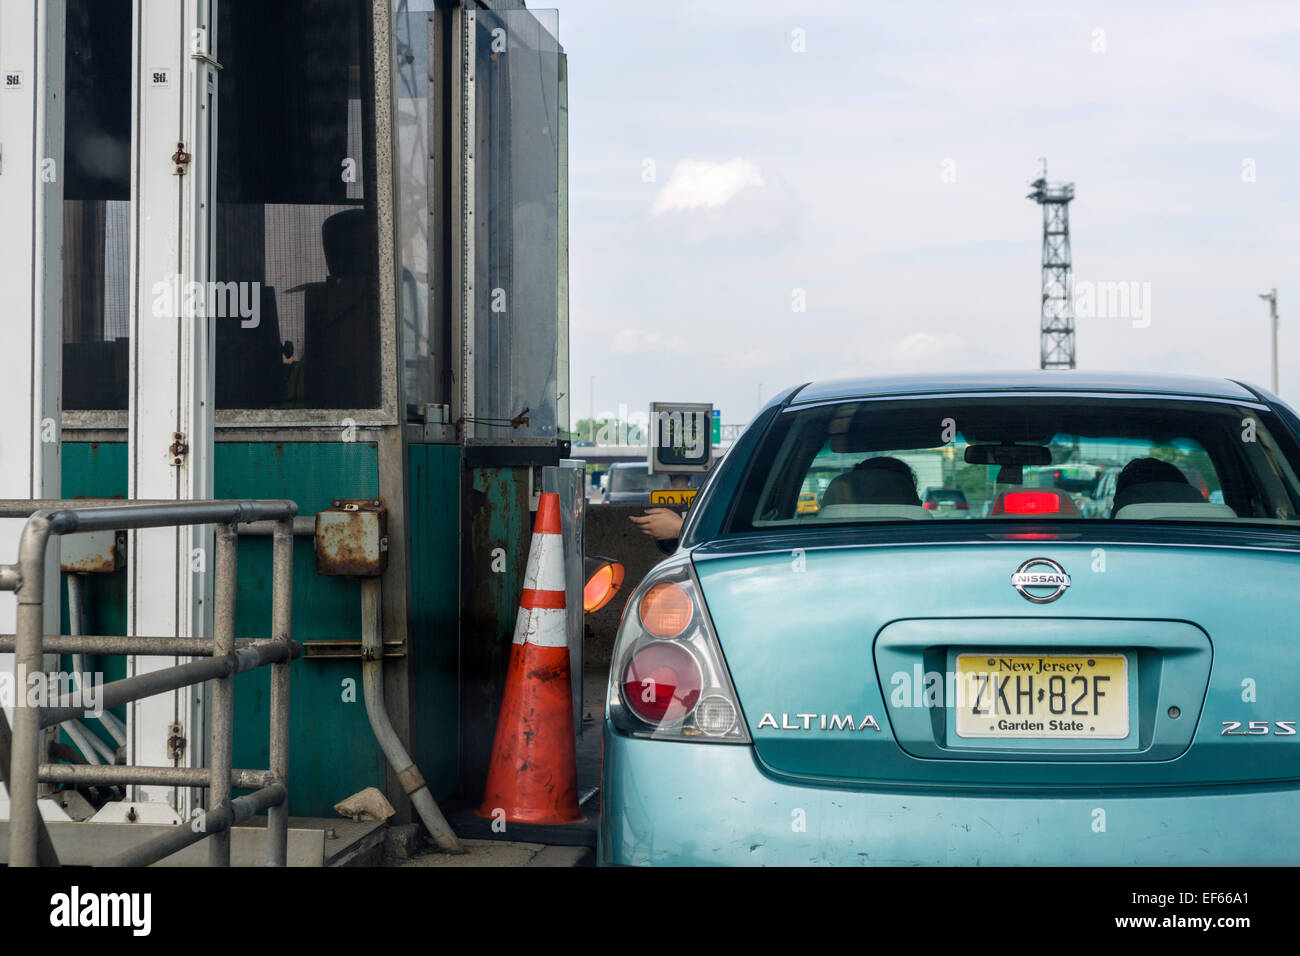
{"x":1057,"y":325}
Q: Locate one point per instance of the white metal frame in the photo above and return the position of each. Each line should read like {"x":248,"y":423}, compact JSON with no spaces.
{"x":31,"y":266}
{"x":174,"y":85}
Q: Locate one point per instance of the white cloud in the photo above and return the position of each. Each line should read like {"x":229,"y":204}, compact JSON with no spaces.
{"x":701,"y":184}
{"x":639,"y":341}
{"x":923,"y":351}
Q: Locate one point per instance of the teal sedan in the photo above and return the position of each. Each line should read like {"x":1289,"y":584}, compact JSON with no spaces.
{"x":1038,"y":684}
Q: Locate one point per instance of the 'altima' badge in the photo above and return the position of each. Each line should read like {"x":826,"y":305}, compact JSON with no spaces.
{"x":1040,"y":580}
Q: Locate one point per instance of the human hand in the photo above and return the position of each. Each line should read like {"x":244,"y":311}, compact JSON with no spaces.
{"x":659,"y":523}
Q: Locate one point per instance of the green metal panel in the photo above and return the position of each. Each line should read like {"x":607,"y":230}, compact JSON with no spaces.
{"x":97,"y":470}
{"x":332,"y":753}
{"x":496,"y":517}
{"x":434,"y":509}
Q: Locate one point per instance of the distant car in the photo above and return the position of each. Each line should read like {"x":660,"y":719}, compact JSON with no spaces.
{"x":946,"y":502}
{"x":1104,"y":496}
{"x":869,"y":685}
{"x":808,"y":503}
{"x":630,"y":483}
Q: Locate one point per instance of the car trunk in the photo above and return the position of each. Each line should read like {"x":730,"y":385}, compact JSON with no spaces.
{"x":1148,"y":656}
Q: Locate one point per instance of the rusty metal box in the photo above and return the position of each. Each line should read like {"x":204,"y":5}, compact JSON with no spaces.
{"x":352,"y":539}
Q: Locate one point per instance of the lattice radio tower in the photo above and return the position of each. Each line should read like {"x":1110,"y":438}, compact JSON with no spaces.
{"x":1057,"y":349}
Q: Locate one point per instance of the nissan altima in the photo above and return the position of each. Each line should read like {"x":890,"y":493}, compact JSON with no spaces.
{"x":860,"y":683}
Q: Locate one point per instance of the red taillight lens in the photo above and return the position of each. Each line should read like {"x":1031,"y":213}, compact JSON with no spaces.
{"x":963,"y":506}
{"x":666,"y":610}
{"x":930,"y":506}
{"x":662,"y":682}
{"x":1029,"y":503}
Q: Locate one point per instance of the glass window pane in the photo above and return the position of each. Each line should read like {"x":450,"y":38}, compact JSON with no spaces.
{"x":517,"y":256}
{"x":96,"y":173}
{"x":296,"y":223}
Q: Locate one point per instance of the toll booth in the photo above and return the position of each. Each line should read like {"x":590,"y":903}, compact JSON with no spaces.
{"x":303,"y":249}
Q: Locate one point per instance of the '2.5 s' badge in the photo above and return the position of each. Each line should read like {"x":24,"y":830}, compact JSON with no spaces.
{"x":1258,"y":728}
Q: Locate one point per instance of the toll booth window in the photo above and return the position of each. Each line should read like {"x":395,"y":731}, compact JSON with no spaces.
{"x":297,"y":253}
{"x":96,"y":172}
{"x":423,"y":238}
{"x":517,"y":297}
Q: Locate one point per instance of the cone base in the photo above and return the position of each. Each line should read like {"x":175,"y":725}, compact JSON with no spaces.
{"x":523,"y":815}
{"x":532,"y":776}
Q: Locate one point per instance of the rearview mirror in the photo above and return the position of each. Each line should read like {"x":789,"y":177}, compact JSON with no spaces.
{"x":1016,"y":455}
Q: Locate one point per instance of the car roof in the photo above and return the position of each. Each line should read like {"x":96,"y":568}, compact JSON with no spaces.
{"x":1054,"y":380}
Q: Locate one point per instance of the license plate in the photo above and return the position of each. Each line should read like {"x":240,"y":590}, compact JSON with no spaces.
{"x":1066,"y":698}
{"x":673,"y":496}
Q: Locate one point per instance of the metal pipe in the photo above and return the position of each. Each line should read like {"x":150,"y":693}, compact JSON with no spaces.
{"x":27,"y":830}
{"x":221,"y":708}
{"x":78,"y":734}
{"x":132,"y":516}
{"x":124,"y":691}
{"x":117,"y":774}
{"x":372,"y":674}
{"x":216,"y":823}
{"x":304,"y":526}
{"x":44,"y":847}
{"x":105,"y":752}
{"x":77,"y":625}
{"x":110,"y":645}
{"x":277,"y":823}
{"x":29,"y":842}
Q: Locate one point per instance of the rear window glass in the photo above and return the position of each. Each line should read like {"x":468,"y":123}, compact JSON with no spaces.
{"x":1067,"y":459}
{"x":636,"y":480}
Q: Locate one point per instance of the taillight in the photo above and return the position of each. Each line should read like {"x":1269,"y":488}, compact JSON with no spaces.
{"x":666,"y":609}
{"x":929,"y":505}
{"x":1028,"y":503}
{"x":668,"y":679}
{"x":963,"y":506}
{"x":662,"y":682}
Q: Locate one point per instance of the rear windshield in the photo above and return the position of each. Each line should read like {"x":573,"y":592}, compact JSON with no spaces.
{"x":1039,"y":458}
{"x":638,"y":480}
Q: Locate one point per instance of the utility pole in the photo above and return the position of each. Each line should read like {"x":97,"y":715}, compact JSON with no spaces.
{"x":1056,"y":348}
{"x":1271,"y":297}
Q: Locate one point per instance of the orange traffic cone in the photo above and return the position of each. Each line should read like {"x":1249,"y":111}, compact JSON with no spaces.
{"x":533,"y":775}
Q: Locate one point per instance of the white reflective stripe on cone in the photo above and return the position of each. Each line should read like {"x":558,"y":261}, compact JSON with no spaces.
{"x":543,"y":626}
{"x":545,"y":570}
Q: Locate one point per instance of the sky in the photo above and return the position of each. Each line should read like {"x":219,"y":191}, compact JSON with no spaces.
{"x":767,"y":193}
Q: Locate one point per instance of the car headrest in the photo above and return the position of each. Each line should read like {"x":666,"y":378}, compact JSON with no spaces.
{"x":870,"y":486}
{"x":856,"y":512}
{"x":1149,"y":492}
{"x":1142,"y":471}
{"x":1198,"y":510}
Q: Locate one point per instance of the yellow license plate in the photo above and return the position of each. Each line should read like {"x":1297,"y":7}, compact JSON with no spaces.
{"x":673,"y":496}
{"x":1063,"y":698}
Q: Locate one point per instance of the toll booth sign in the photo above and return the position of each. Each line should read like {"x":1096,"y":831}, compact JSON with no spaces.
{"x":680,"y":438}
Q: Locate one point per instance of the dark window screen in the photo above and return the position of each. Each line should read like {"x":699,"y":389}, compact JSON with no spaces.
{"x":295,"y":206}
{"x":96,"y":174}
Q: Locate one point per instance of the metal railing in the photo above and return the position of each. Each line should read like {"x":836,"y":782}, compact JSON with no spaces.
{"x":29,"y":841}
